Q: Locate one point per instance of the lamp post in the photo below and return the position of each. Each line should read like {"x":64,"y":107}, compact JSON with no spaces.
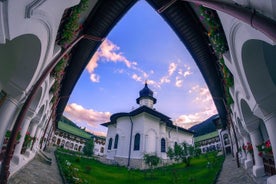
{"x":4,"y":175}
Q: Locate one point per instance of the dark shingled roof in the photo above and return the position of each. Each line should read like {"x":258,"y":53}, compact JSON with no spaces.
{"x":182,"y":19}
{"x":142,"y":109}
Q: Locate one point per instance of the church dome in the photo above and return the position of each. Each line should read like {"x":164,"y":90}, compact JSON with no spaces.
{"x":146,"y":96}
{"x":146,"y":92}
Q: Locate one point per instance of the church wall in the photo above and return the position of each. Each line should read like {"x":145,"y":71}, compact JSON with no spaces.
{"x":123,"y":130}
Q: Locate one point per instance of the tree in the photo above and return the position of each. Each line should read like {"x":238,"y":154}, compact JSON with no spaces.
{"x":181,"y":152}
{"x":151,"y":161}
{"x":88,"y":147}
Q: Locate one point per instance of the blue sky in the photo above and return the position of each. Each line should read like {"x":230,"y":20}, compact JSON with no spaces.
{"x":140,"y":47}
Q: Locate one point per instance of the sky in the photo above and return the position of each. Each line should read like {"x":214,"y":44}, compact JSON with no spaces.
{"x":141,"y":47}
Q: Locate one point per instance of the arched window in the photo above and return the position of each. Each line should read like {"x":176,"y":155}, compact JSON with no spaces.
{"x":116,"y":141}
{"x":163,"y":145}
{"x":109,"y":144}
{"x":137,"y":142}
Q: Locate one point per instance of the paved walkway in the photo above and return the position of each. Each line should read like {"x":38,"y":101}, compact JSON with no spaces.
{"x":38,"y":172}
{"x":230,"y":174}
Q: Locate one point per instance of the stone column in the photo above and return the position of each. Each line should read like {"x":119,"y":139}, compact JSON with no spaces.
{"x":270,"y":123}
{"x":7,"y":115}
{"x":37,"y":135}
{"x":252,"y":125}
{"x":17,"y":154}
{"x":249,"y":160}
{"x":258,"y":168}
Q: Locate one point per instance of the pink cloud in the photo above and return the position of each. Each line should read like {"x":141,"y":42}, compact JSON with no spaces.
{"x":178,"y":82}
{"x":172,"y":68}
{"x":94,"y":77}
{"x":204,"y":101}
{"x":78,"y":114}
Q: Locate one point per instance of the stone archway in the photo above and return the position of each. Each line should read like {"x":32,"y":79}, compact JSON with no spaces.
{"x":258,"y":59}
{"x":252,"y":124}
{"x":17,"y":70}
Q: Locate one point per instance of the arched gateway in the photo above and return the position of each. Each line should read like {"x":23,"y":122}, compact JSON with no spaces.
{"x":30,"y":38}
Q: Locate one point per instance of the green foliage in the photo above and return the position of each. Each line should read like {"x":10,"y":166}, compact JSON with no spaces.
{"x":170,"y":153}
{"x":88,"y":147}
{"x":182,"y":152}
{"x":177,"y":173}
{"x":8,"y":135}
{"x":151,"y":160}
{"x":72,"y":25}
{"x":220,"y":46}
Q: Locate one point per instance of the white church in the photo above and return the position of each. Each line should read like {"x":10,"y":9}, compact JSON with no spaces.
{"x":142,"y":131}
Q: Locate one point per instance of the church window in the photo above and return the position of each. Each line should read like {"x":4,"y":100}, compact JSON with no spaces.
{"x":163,"y":145}
{"x":137,"y":142}
{"x":116,"y":141}
{"x":109,"y":144}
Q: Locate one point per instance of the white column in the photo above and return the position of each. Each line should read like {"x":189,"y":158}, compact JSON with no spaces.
{"x":270,"y":123}
{"x":243,"y":154}
{"x":248,"y":162}
{"x":258,"y":168}
{"x":16,"y":156}
{"x":7,"y":115}
{"x":37,"y":135}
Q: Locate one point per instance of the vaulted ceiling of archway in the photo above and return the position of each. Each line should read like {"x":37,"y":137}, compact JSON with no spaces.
{"x":179,"y":16}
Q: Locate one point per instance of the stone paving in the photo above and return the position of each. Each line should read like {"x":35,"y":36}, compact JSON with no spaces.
{"x":231,"y":174}
{"x":38,"y":172}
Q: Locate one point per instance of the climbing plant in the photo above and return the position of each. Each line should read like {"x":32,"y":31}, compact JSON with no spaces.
{"x":219,"y":45}
{"x":69,"y":31}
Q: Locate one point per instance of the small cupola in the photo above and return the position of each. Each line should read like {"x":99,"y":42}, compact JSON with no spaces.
{"x":146,"y":97}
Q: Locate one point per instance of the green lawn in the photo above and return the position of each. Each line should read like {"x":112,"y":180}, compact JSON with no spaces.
{"x":94,"y":172}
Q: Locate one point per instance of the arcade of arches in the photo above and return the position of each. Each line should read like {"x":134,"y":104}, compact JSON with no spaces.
{"x":28,"y":33}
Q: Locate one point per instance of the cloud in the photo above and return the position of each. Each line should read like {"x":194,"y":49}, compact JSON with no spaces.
{"x":79,"y":114}
{"x":178,"y":82}
{"x":172,"y":68}
{"x":93,"y":63}
{"x":108,"y":51}
{"x":94,"y":77}
{"x":136,"y":77}
{"x":204,"y":101}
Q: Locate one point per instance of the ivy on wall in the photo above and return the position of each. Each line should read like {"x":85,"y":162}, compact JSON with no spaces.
{"x":69,"y":31}
{"x":219,"y":45}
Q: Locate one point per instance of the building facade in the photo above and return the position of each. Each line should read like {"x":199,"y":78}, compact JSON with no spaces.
{"x":214,"y":141}
{"x":71,"y":137}
{"x":142,"y":131}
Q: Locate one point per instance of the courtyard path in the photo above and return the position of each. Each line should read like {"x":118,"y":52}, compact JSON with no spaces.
{"x":231,"y":174}
{"x":38,"y":172}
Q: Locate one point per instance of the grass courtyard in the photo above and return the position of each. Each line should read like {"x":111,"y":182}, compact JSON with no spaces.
{"x":83,"y":170}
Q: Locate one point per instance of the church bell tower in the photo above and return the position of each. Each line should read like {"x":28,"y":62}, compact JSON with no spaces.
{"x":146,"y":97}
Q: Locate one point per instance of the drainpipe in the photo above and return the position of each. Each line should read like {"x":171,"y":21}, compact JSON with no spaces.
{"x":4,"y":175}
{"x":258,"y":21}
{"x":130,"y":142}
{"x":236,"y":140}
{"x":45,"y":130}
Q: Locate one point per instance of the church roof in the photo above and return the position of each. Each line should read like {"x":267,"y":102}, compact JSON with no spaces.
{"x":146,"y":92}
{"x":163,"y":117}
{"x":73,"y":130}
